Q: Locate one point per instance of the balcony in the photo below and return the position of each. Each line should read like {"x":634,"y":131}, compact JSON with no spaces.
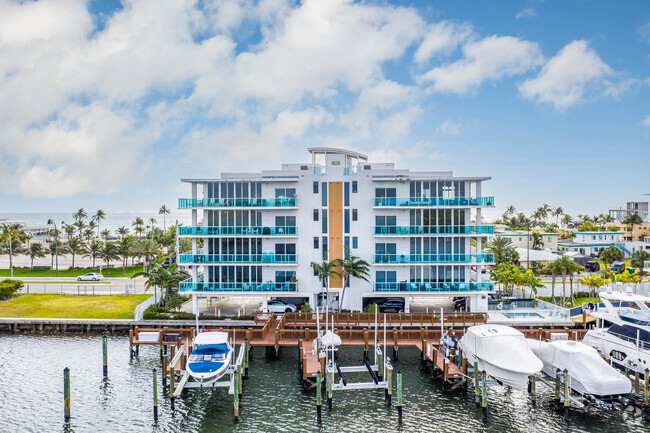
{"x":433,"y":258}
{"x":190,"y":286}
{"x":433,"y":201}
{"x":269,"y":258}
{"x":237,"y":202}
{"x":433,"y":230}
{"x":238,"y":231}
{"x":405,"y":286}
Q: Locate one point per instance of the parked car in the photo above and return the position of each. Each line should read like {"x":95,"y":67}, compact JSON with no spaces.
{"x":592,"y":266}
{"x":460,"y":302}
{"x":392,"y":305}
{"x":278,"y":306}
{"x":618,"y":267}
{"x":92,"y":276}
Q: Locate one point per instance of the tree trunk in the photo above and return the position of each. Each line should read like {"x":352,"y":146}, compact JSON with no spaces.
{"x":553,"y":289}
{"x":571,"y":290}
{"x":73,"y":260}
{"x":563,"y":290}
{"x":32,"y":262}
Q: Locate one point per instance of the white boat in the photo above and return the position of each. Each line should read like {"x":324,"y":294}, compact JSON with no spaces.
{"x":502,"y":352}
{"x":622,"y":334}
{"x":589,"y":373}
{"x":211,"y":355}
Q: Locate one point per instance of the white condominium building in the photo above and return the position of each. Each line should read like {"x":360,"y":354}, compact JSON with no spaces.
{"x":421,"y":232}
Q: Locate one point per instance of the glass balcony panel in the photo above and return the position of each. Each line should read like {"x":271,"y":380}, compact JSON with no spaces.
{"x":433,"y":230}
{"x":238,"y":258}
{"x":434,"y":201}
{"x":190,"y":286}
{"x":408,"y":286}
{"x":240,"y":231}
{"x":434,"y":258}
{"x":237,"y":202}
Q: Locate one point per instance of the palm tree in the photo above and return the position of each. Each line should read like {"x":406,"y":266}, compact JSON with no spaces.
{"x":105,"y":234}
{"x":109,"y":253}
{"x":164,"y":211}
{"x":148,"y":249}
{"x":36,"y":251}
{"x":566,"y":266}
{"x":69,"y":229}
{"x":80,"y":225}
{"x":633,"y":219}
{"x":537,"y":217}
{"x":88,"y":233}
{"x":80,"y":215}
{"x":167,"y":278}
{"x":122,"y":231}
{"x":555,"y":269}
{"x":57,"y":247}
{"x":355,"y":267}
{"x":12,"y":235}
{"x":640,"y":257}
{"x":138,"y":226}
{"x":94,"y":250}
{"x":326,"y":270}
{"x":76,"y":246}
{"x":509,"y":212}
{"x":556,"y":213}
{"x":594,"y":282}
{"x":567,"y":220}
{"x":98,"y":217}
{"x":152,"y":222}
{"x":124,"y":249}
{"x":544,"y":210}
{"x":502,"y":249}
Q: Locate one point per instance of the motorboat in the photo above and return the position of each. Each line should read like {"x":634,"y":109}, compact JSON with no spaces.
{"x":502,"y":352}
{"x":590,"y":374}
{"x":622,"y":333}
{"x":210,"y":357}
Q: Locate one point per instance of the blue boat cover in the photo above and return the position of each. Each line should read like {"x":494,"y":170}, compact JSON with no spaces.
{"x":208,"y":358}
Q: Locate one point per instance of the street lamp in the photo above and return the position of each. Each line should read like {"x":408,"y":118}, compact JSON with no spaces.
{"x":56,"y":245}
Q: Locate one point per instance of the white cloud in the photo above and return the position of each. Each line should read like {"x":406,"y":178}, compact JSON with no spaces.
{"x":527,"y":12}
{"x":399,"y":124}
{"x":644,"y":33}
{"x":646,"y":121}
{"x":491,"y":58}
{"x":450,"y":127}
{"x":565,"y":78}
{"x":442,"y":38}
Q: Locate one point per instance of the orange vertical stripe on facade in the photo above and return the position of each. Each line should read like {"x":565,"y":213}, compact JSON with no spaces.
{"x":335,"y":219}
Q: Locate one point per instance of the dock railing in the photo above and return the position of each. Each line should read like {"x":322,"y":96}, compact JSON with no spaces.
{"x":392,"y":319}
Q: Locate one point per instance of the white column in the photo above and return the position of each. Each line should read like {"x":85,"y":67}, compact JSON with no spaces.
{"x":479,"y":239}
{"x":194,"y":223}
{"x":407,"y":304}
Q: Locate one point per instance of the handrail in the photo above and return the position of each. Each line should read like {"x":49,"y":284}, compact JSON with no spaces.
{"x":176,"y":357}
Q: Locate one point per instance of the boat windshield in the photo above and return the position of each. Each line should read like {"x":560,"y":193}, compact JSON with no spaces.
{"x":210,"y":353}
{"x":639,"y":317}
{"x":629,"y":333}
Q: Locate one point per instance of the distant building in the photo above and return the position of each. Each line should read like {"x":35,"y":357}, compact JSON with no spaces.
{"x":633,"y":207}
{"x":592,"y":243}
{"x":520,"y":239}
{"x":636,"y":232}
{"x":542,"y":257}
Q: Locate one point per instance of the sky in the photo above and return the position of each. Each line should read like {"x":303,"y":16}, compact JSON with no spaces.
{"x":108,"y":104}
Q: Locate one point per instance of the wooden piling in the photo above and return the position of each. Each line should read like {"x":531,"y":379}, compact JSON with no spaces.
{"x":565,"y":373}
{"x":380,"y":362}
{"x":395,"y":345}
{"x":318,"y":397}
{"x":235,"y":394}
{"x":399,"y":397}
{"x":330,"y":383}
{"x":155,"y":395}
{"x":484,"y":395}
{"x":366,"y":338}
{"x":464,"y":367}
{"x":434,"y":352}
{"x":164,"y":373}
{"x":477,"y":390}
{"x":558,"y":373}
{"x":637,"y":395}
{"x":105,"y":354}
{"x":389,"y":388}
{"x":130,"y":343}
{"x":646,"y":394}
{"x":172,"y":388}
{"x":532,"y":389}
{"x":66,"y":394}
{"x":246,"y":353}
{"x":424,"y":355}
{"x":445,"y":374}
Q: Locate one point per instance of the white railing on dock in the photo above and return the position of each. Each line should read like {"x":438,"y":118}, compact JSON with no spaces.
{"x":139,"y":309}
{"x":80,"y":289}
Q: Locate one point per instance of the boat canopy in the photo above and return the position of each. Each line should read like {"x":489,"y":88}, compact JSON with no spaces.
{"x":204,"y":338}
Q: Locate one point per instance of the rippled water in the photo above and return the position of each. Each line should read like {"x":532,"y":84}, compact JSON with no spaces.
{"x":31,"y":397}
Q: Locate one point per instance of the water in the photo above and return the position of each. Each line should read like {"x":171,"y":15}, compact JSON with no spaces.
{"x":31,"y":397}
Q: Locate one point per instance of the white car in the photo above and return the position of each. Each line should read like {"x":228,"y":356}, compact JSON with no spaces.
{"x":278,"y":306}
{"x":92,"y":276}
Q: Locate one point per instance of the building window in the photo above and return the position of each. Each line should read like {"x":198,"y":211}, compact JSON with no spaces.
{"x":315,"y":187}
{"x":324,"y":220}
{"x":355,"y":242}
{"x":346,"y":194}
{"x":324,"y":244}
{"x":285,"y":192}
{"x":315,"y":242}
{"x":324,"y":191}
{"x":346,"y":220}
{"x":354,"y":187}
{"x":316,"y":214}
{"x":355,"y":214}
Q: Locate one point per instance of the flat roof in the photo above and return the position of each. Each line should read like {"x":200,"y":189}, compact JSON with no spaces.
{"x":600,"y":233}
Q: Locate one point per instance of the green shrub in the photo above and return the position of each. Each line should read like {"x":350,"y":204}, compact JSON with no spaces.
{"x":152,"y":312}
{"x":210,"y":317}
{"x":305,"y":308}
{"x":371,"y":308}
{"x":183,"y":315}
{"x":8,"y":288}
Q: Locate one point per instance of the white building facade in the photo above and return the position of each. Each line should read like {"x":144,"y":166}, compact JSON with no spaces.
{"x":261,"y":231}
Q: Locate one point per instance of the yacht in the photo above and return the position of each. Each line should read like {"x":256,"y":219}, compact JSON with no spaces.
{"x":622,"y":334}
{"x":502,"y":352}
{"x":211,"y":355}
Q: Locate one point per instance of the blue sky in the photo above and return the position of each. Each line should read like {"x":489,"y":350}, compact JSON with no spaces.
{"x":108,"y":104}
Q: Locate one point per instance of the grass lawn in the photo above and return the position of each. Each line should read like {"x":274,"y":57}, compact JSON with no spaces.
{"x":71,"y":307}
{"x":112,"y":272}
{"x":558,"y":300}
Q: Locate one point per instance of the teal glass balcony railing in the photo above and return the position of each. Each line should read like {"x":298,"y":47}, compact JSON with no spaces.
{"x":434,"y":230}
{"x":190,"y":286}
{"x":237,"y":202}
{"x":406,"y":286}
{"x":434,"y":258}
{"x":434,"y":201}
{"x":238,"y":258}
{"x":238,"y":231}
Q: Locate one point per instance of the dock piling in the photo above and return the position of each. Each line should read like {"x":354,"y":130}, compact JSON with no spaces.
{"x":330,"y":383}
{"x":435,"y":360}
{"x":235,"y":394}
{"x":399,"y":397}
{"x":246,"y":355}
{"x":66,"y":394}
{"x":558,"y":373}
{"x":155,"y":395}
{"x":531,"y":385}
{"x":172,"y":378}
{"x":389,"y":389}
{"x":131,"y":344}
{"x":566,"y":395}
{"x":318,"y":397}
{"x":637,"y":395}
{"x":445,"y":373}
{"x":646,"y":394}
{"x":164,"y":373}
{"x":105,"y":354}
{"x":484,"y":395}
{"x":477,"y":390}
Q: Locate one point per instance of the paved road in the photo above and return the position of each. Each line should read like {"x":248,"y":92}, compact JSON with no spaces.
{"x":70,"y":286}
